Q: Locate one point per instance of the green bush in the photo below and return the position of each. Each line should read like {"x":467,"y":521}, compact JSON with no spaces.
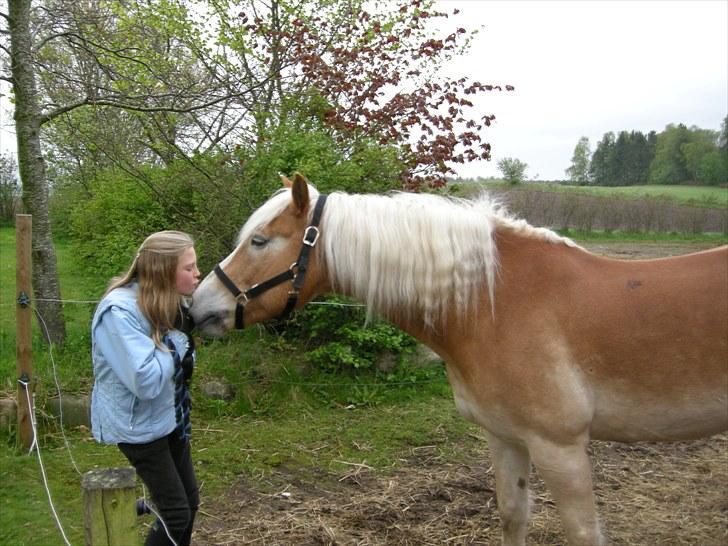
{"x":209,"y":196}
{"x":107,"y":228}
{"x":365,"y":167}
{"x":339,"y":339}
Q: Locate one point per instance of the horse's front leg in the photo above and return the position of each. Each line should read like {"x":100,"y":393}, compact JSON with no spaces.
{"x":566,"y":470}
{"x":512,"y":466}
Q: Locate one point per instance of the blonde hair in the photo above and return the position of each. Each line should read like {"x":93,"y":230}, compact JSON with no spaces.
{"x":154,"y":267}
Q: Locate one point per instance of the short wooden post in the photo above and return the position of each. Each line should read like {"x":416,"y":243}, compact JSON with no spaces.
{"x":24,"y":315}
{"x":109,"y":507}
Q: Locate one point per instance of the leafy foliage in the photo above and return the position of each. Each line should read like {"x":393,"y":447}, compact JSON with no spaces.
{"x":9,"y":188}
{"x":210,"y":198}
{"x":108,"y":227}
{"x":376,"y":69}
{"x":578,"y":173}
{"x":280,"y":98}
{"x":339,"y":339}
{"x":623,"y":160}
{"x":352,"y":74}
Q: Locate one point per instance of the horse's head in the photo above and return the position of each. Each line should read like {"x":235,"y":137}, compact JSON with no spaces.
{"x":273,"y":268}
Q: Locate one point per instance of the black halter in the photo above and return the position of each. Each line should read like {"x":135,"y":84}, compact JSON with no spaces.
{"x":295,"y":273}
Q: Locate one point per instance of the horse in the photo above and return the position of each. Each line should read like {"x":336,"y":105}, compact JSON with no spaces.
{"x":546,"y":345}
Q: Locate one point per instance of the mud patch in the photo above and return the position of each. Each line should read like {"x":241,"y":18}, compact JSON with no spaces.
{"x":647,"y":494}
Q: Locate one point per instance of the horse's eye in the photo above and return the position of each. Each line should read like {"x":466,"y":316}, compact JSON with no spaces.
{"x":258,"y":240}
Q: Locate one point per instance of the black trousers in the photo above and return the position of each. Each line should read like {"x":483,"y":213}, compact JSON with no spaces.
{"x":165,"y":467}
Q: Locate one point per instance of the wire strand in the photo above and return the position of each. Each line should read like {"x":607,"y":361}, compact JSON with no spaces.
{"x":330,"y":303}
{"x":36,"y":444}
{"x":339,"y":385}
{"x":58,"y":389}
{"x":159,"y":517}
{"x":66,"y":301}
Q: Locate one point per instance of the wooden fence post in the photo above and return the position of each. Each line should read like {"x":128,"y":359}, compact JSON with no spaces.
{"x":24,"y":315}
{"x":109,"y":507}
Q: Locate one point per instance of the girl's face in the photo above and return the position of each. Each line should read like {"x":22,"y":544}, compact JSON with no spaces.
{"x":188,"y":276}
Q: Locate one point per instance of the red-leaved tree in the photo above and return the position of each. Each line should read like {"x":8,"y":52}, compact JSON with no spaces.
{"x":378,"y":72}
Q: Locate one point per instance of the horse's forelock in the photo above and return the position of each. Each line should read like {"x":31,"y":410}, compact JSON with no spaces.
{"x":269,"y":211}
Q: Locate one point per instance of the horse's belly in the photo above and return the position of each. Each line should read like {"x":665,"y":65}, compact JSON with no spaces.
{"x":628,"y":419}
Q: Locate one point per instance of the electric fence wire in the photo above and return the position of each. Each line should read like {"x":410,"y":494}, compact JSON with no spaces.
{"x":58,"y":389}
{"x":159,"y":517}
{"x":36,"y":445}
{"x":52,"y":300}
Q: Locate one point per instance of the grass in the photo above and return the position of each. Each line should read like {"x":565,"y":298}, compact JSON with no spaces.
{"x":225,"y":450}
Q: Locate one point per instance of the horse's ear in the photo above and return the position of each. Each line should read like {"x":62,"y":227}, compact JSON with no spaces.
{"x":286,"y":182}
{"x":299,"y":191}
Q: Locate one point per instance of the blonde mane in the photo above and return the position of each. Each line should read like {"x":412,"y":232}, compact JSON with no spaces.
{"x":404,"y":254}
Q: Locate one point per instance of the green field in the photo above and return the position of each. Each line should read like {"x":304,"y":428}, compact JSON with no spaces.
{"x":702,"y":196}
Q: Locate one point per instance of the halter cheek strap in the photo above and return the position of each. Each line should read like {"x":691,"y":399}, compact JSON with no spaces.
{"x":236,"y":292}
{"x":296,"y":273}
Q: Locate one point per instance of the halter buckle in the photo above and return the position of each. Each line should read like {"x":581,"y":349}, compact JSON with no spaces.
{"x":315,"y":231}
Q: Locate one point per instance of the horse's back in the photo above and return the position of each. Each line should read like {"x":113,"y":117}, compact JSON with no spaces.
{"x":663,"y":348}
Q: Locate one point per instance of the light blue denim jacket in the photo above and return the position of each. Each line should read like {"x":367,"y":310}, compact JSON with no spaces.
{"x":133,"y":394}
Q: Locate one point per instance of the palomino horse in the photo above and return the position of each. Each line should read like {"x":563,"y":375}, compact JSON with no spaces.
{"x":546,"y":345}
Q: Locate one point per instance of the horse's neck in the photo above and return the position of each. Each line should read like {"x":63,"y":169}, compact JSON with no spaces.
{"x":528,"y":265}
{"x":527,"y":259}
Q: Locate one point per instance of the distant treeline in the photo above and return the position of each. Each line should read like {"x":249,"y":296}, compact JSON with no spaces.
{"x":677,"y":155}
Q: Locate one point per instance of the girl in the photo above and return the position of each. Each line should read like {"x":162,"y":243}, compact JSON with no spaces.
{"x":143,"y":358}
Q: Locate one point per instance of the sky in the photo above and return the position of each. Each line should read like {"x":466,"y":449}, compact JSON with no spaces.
{"x":584,"y":68}
{"x":580,"y":68}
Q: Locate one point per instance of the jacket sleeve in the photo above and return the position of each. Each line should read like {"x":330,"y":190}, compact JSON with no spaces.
{"x":140,"y":365}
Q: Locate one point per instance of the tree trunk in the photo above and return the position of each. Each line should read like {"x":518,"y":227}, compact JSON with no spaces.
{"x":46,"y":289}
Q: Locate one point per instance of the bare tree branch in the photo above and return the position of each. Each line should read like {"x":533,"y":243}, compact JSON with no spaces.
{"x":50,"y":38}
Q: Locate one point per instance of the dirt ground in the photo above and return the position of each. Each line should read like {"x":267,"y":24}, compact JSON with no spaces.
{"x":647,"y":494}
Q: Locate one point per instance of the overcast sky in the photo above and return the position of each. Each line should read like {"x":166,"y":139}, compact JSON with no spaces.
{"x":583,"y":68}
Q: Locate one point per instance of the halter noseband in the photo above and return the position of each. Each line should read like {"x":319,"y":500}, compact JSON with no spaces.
{"x":295,"y":273}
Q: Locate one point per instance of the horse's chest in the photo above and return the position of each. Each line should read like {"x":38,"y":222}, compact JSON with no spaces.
{"x":477,"y":405}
